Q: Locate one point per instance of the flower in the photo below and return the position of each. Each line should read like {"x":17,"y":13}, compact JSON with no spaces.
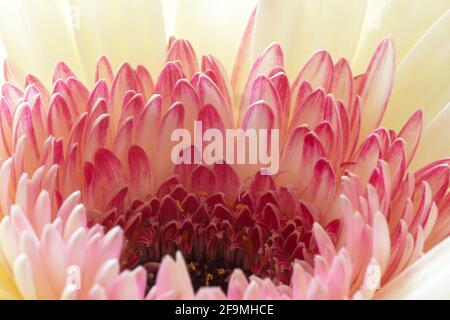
{"x":49,"y":252}
{"x":356,"y":205}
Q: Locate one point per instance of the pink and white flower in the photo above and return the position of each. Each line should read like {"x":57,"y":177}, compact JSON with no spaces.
{"x":87,"y":178}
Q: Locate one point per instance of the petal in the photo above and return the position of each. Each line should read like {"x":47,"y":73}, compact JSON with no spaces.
{"x":116,"y":28}
{"x":377,"y":86}
{"x":411,"y":133}
{"x":318,"y":71}
{"x":209,"y":93}
{"x":434,"y":143}
{"x":141,"y":176}
{"x":203,"y":181}
{"x":172,"y":280}
{"x":53,"y":252}
{"x":224,"y":19}
{"x":315,"y":25}
{"x":423,"y":77}
{"x":427,"y":278}
{"x":48,"y":42}
{"x":342,"y":86}
{"x":395,"y":17}
{"x":173,"y":119}
{"x":271,"y":58}
{"x":182,"y":51}
{"x":23,"y":274}
{"x":381,"y":245}
{"x":104,"y":71}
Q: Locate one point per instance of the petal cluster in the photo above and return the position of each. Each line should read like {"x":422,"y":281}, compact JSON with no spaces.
{"x":104,"y":195}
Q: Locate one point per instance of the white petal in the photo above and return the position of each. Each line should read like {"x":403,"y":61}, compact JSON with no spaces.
{"x":303,"y":27}
{"x":407,"y":21}
{"x":434,"y":144}
{"x":23,"y":275}
{"x":2,"y":58}
{"x":121,"y":30}
{"x":214,"y":27}
{"x":428,"y":278}
{"x":423,"y":77}
{"x":37,"y":35}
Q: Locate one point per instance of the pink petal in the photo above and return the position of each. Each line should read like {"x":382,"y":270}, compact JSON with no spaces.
{"x":125,"y":80}
{"x":411,"y":133}
{"x":166,"y":82}
{"x":62,"y":72}
{"x":181,"y":50}
{"x":209,"y":93}
{"x":243,"y":54}
{"x":377,"y":86}
{"x":173,"y":119}
{"x":104,"y":71}
{"x":263,"y":89}
{"x":146,"y":81}
{"x":311,"y":112}
{"x":141,"y":176}
{"x":147,"y":126}
{"x":203,"y":180}
{"x":318,"y":71}
{"x":271,"y":58}
{"x":342,"y":85}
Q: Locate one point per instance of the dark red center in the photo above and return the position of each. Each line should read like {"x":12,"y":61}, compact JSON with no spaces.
{"x":260,"y":232}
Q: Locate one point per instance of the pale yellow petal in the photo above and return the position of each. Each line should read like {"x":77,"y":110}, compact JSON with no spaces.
{"x":143,"y":23}
{"x":2,"y":58}
{"x":121,"y":30}
{"x":303,"y":27}
{"x":423,"y":77}
{"x":214,"y":27}
{"x":8,"y":289}
{"x":406,"y":20}
{"x":170,"y":12}
{"x":38,"y":34}
{"x":434,"y":144}
{"x":427,"y":278}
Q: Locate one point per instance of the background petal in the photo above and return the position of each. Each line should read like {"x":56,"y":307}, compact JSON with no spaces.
{"x":214,"y":27}
{"x":427,"y":278}
{"x":423,"y":77}
{"x":303,"y":27}
{"x":33,"y":46}
{"x":123,"y":31}
{"x":406,"y":20}
{"x":434,"y":144}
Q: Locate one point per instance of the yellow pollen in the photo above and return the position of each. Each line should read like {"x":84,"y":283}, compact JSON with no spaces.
{"x":193,"y":266}
{"x":208,"y":278}
{"x":239,"y":206}
{"x":203,"y":193}
{"x":221,"y":271}
{"x":179,"y":206}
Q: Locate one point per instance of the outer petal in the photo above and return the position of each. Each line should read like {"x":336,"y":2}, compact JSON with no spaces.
{"x":35,"y":47}
{"x":428,"y":278}
{"x":314,"y":25}
{"x":434,"y":143}
{"x":423,"y":76}
{"x":112,"y":27}
{"x":376,"y":88}
{"x":219,"y":20}
{"x":405,"y":20}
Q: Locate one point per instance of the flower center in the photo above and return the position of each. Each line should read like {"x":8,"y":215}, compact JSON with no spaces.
{"x":260,"y":232}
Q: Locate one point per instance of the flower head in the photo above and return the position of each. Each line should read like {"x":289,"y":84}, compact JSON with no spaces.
{"x":88,"y":176}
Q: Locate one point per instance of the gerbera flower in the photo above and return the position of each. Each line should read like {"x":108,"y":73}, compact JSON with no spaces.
{"x":358,"y":204}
